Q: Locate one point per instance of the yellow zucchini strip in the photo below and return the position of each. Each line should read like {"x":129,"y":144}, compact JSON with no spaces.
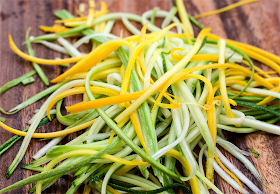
{"x":272,"y":80}
{"x":276,"y":89}
{"x":51,"y":134}
{"x":224,"y":9}
{"x":269,"y":98}
{"x":136,"y":124}
{"x":87,"y":189}
{"x":230,"y":173}
{"x":232,"y":82}
{"x":110,"y":189}
{"x":185,"y":164}
{"x":110,"y":101}
{"x":124,"y":169}
{"x":200,"y":57}
{"x":270,"y":63}
{"x":42,"y":61}
{"x":93,"y":58}
{"x":90,"y":17}
{"x":233,"y":72}
{"x":54,"y":28}
{"x":223,"y":88}
{"x":79,"y":90}
{"x":184,"y":17}
{"x":257,"y":50}
{"x":152,"y":35}
{"x":103,"y":10}
{"x":237,"y":77}
{"x":258,"y":78}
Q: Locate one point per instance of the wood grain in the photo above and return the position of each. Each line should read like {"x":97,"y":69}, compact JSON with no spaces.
{"x":257,"y":24}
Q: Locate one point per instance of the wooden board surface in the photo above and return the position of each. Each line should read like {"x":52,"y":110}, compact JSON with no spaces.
{"x":257,"y":24}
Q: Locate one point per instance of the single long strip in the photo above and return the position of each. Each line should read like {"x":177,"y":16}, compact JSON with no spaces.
{"x":223,"y":87}
{"x":36,"y":97}
{"x":93,"y":58}
{"x":184,"y":15}
{"x":109,"y":101}
{"x":224,"y":9}
{"x":38,"y":69}
{"x":165,"y":77}
{"x":16,"y":81}
{"x":52,"y":134}
{"x":42,"y":61}
{"x":201,"y":57}
{"x":90,"y":17}
{"x":135,"y":123}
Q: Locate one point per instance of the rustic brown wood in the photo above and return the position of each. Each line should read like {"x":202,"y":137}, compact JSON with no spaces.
{"x":257,"y":24}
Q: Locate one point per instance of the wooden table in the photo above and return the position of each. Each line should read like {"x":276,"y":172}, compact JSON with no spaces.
{"x":257,"y":24}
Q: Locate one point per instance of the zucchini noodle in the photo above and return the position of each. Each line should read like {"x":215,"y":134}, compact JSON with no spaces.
{"x":147,"y":101}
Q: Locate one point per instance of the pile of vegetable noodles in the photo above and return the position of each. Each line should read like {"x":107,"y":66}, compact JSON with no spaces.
{"x":148,"y":101}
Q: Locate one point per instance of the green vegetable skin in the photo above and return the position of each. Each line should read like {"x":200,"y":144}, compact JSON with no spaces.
{"x":256,"y":154}
{"x":28,"y":81}
{"x":16,"y":81}
{"x":38,"y":69}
